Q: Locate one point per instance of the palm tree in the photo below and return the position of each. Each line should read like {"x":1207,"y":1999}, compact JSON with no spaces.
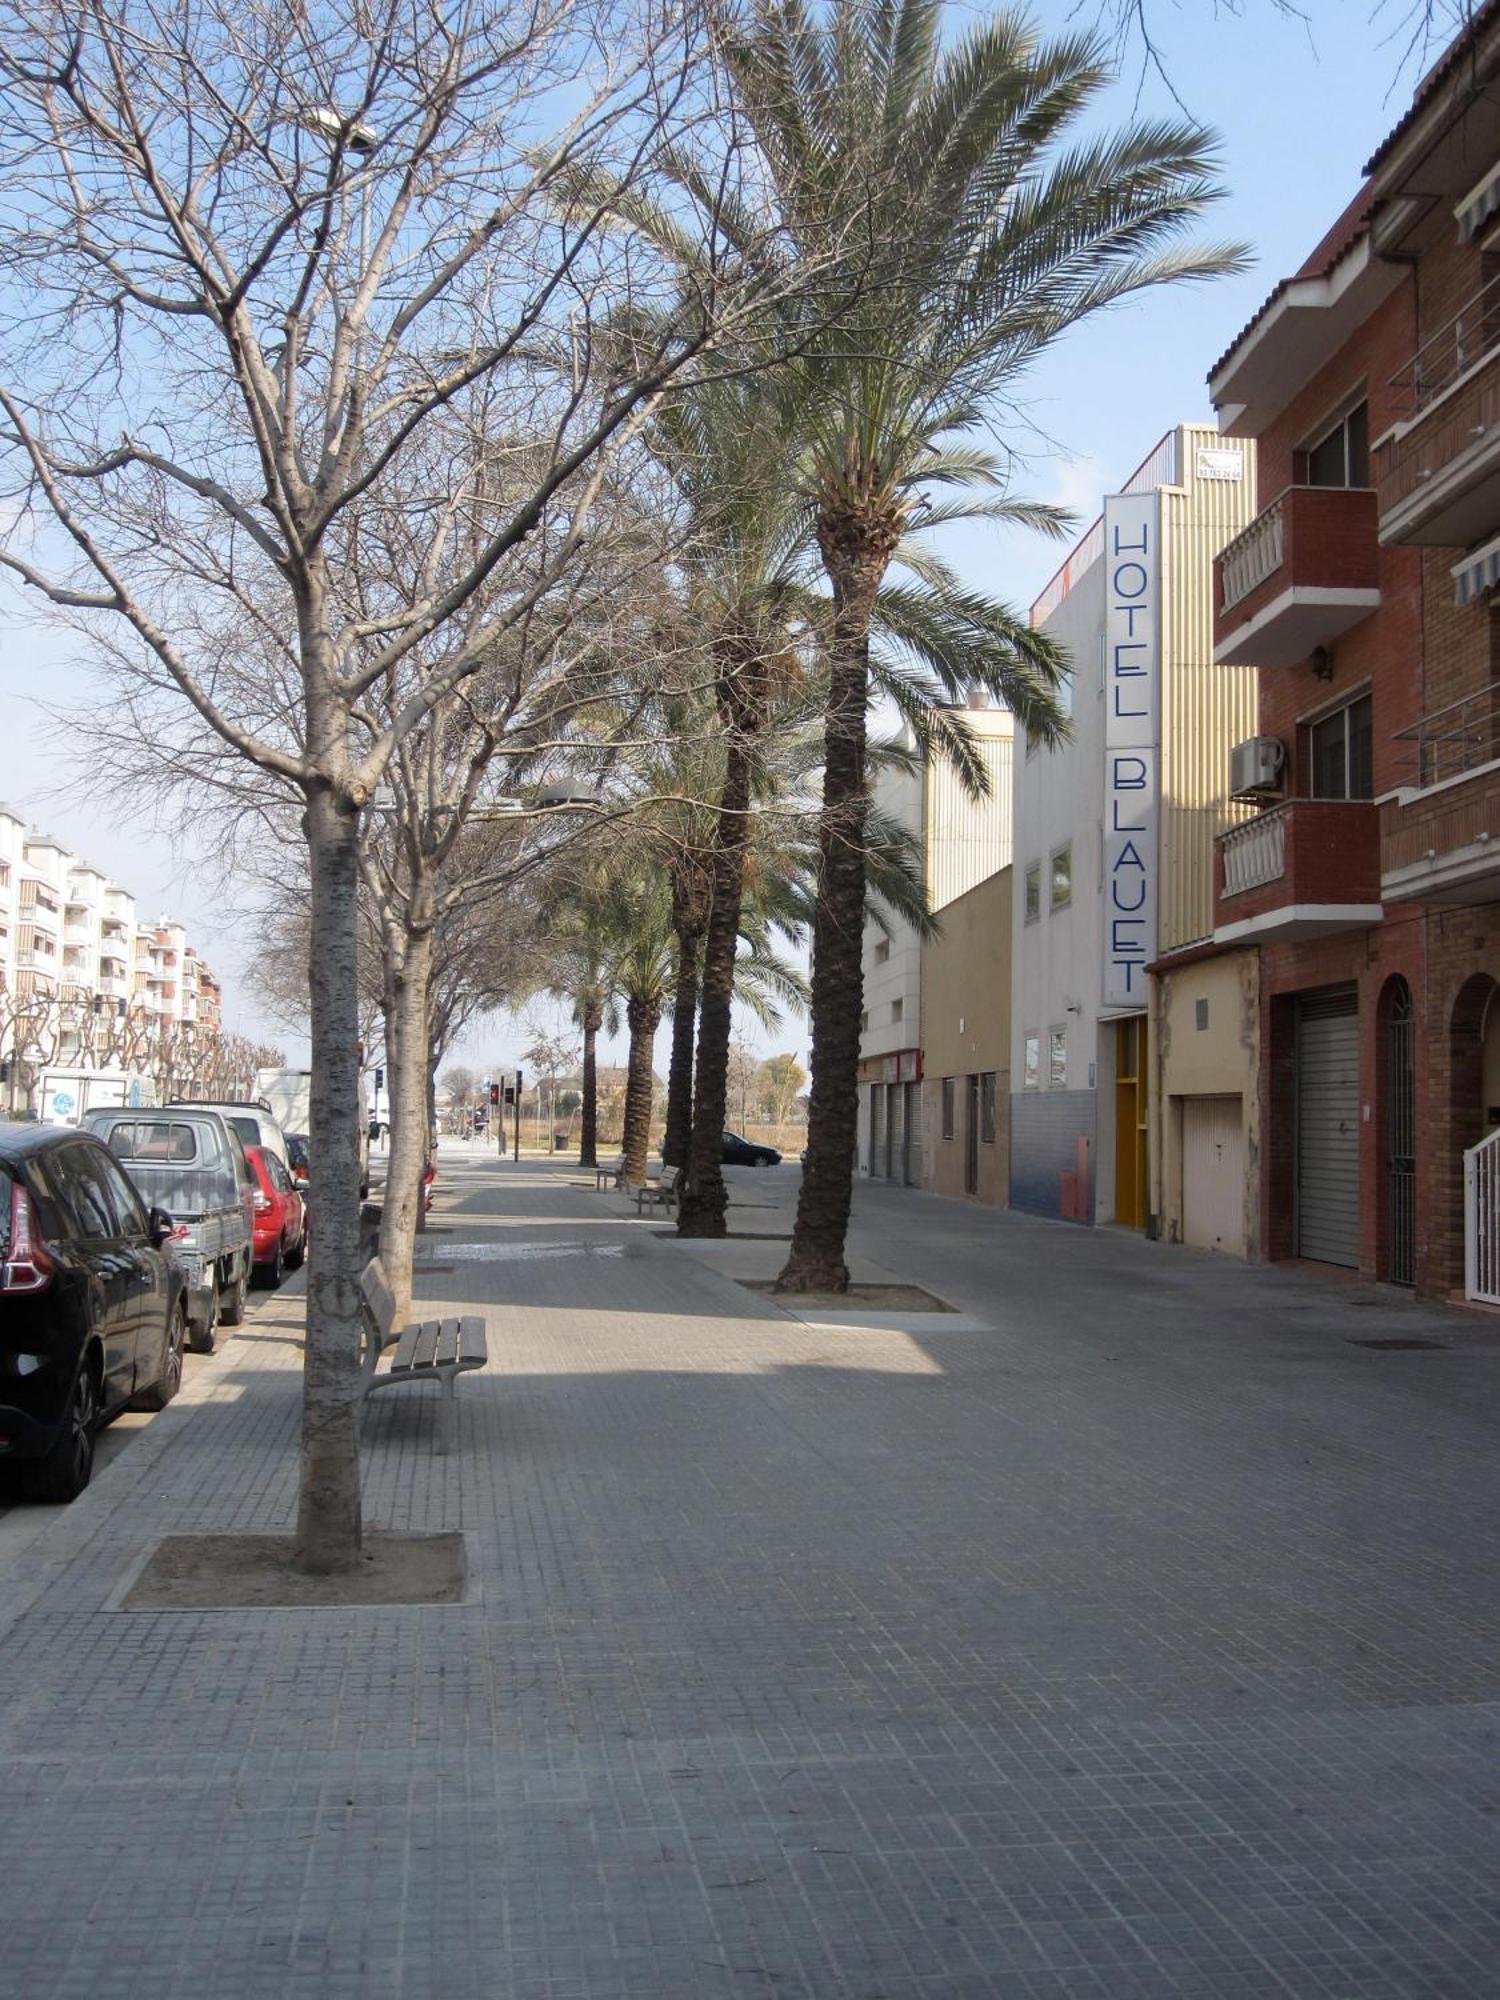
{"x":636,"y":925}
{"x":986,"y":243}
{"x":580,"y":973}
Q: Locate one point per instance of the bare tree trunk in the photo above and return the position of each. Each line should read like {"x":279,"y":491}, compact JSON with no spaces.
{"x":643,"y":1021}
{"x":705,"y":1199}
{"x":855,"y":563}
{"x":328,"y":1503}
{"x":588,"y":1141}
{"x":674,"y":1145}
{"x":407,"y":1074}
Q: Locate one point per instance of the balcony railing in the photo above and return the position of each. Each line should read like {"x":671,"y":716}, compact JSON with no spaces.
{"x":1252,"y":556}
{"x":1454,"y":740}
{"x":1450,"y":352}
{"x":1255,"y":852}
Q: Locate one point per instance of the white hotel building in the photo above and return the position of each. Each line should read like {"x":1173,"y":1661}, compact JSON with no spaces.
{"x":1114,"y":829}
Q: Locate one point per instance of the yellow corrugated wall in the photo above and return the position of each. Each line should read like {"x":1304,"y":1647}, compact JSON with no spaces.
{"x":1206,"y":709}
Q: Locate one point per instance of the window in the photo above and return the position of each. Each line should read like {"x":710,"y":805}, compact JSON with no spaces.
{"x":1339,"y":753}
{"x":1062,"y":877}
{"x":987,"y":1107}
{"x":1341,"y":456}
{"x":126,"y":1202}
{"x":898,"y":1008}
{"x":882,"y":950}
{"x":86,"y":1196}
{"x":1031,"y":1067}
{"x":864,"y":1023}
{"x":948,"y":1107}
{"x":1033,"y":891}
{"x":1057,"y":1059}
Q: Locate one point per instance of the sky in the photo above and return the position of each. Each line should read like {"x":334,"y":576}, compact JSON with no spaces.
{"x":1299,"y":105}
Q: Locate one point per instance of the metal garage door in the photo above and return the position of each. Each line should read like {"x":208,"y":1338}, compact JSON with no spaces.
{"x":895,"y":1131}
{"x":1328,"y":1128}
{"x":1213,"y":1174}
{"x":877,"y":1129}
{"x":913,"y":1134}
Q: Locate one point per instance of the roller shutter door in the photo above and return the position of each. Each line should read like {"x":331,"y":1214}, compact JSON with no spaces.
{"x":895,"y":1137}
{"x":913,"y":1134}
{"x":1328,"y":1128}
{"x":877,"y":1130}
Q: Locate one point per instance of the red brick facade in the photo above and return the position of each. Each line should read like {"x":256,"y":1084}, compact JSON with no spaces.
{"x":1419,"y":652}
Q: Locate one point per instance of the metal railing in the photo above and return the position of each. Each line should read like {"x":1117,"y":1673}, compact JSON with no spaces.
{"x":1482,"y":1221}
{"x":1252,"y":556}
{"x":1458,"y":344}
{"x":1254,"y":853}
{"x":1455,"y":739}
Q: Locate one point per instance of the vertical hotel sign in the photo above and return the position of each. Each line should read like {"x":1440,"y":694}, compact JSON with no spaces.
{"x":1132,"y":712}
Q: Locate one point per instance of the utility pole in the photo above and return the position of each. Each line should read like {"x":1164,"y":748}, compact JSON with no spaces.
{"x":518,"y":1118}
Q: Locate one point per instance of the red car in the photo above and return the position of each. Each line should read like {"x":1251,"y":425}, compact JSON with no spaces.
{"x":280,"y":1222}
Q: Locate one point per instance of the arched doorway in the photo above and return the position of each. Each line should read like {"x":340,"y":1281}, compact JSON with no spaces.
{"x":1398,"y":1037}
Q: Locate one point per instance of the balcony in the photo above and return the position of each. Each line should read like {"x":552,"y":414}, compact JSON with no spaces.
{"x":1305,"y":570}
{"x":1438,"y":471}
{"x":1440,"y":836}
{"x":1308,"y":868}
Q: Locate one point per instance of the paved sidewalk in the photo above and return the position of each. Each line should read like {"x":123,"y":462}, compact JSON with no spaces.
{"x":1127,"y":1633}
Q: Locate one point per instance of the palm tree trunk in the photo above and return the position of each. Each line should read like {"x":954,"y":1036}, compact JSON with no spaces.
{"x":642,"y":1020}
{"x":588,"y":1141}
{"x":705,"y":1199}
{"x":674,"y":1145}
{"x":855,"y":560}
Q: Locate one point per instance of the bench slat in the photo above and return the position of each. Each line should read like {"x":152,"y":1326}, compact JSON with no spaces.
{"x":446,"y":1352}
{"x":473,"y":1347}
{"x":379,"y":1299}
{"x":416,"y":1347}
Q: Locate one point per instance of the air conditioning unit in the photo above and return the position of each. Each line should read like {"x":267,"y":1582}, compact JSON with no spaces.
{"x":1255,"y":767}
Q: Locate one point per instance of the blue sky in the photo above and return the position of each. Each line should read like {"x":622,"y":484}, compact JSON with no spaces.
{"x":1299,"y":106}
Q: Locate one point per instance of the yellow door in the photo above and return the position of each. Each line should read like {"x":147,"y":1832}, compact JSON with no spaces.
{"x":1131,"y":1176}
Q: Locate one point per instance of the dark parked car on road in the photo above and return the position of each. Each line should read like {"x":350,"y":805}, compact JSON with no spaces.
{"x":740,"y":1152}
{"x":93,"y":1314}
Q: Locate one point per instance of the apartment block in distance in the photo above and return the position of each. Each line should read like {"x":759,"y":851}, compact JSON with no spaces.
{"x":1114,"y":833}
{"x":1366,"y":888}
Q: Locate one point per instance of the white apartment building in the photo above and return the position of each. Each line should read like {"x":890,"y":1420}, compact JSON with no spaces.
{"x":82,"y":983}
{"x":963,"y":841}
{"x":1114,"y":828}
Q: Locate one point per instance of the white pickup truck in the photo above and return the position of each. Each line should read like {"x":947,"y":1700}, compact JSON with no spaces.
{"x":185,"y":1160}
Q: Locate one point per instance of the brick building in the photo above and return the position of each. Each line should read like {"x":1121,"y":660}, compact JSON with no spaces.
{"x":1365,"y":886}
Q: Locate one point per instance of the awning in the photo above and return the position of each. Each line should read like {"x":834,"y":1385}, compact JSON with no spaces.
{"x":1478,"y":572}
{"x":1478,"y":205}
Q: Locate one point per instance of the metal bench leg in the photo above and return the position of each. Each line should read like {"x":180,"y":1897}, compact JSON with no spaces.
{"x":448,"y":1416}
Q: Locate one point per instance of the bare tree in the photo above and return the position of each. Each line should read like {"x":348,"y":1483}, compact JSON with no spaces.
{"x":257,"y":250}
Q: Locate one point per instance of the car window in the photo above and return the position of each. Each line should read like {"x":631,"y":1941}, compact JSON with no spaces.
{"x":85,"y":1194}
{"x":248,"y":1130}
{"x":125,"y":1201}
{"x":159,"y":1144}
{"x":280,"y":1179}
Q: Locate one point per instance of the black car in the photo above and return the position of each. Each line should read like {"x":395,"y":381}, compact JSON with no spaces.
{"x":93,"y":1315}
{"x":740,"y":1152}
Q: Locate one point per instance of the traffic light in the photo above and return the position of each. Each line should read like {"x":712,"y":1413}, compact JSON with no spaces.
{"x":380,"y":1079}
{"x":510,"y":1093}
{"x":494,"y":1093}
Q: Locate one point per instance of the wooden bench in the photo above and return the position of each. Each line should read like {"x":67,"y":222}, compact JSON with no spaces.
{"x":658,"y":1194}
{"x":434,"y":1350}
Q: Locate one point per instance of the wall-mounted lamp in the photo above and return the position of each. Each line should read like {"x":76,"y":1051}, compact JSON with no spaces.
{"x":1322,"y":663}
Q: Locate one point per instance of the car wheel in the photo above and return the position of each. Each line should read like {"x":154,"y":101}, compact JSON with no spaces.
{"x":169,"y":1380}
{"x":69,"y":1465}
{"x":294,"y":1258}
{"x":232,"y":1302}
{"x":203,"y":1335}
{"x":273,"y":1270}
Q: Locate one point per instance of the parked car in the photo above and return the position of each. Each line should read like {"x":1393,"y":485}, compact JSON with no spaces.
{"x":279,"y":1222}
{"x":189,"y":1162}
{"x":287,"y":1095}
{"x":93,"y":1313}
{"x":254,"y":1122}
{"x":297,"y":1164}
{"x":740,"y":1152}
